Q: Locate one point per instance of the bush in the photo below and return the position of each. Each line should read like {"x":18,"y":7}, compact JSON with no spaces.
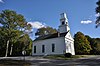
{"x":67,"y":54}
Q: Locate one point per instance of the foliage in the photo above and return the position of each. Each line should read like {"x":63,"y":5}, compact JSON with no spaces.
{"x":45,"y":31}
{"x":79,"y":42}
{"x":95,"y":44}
{"x":68,"y":55}
{"x":13,"y":26}
{"x":23,"y":43}
{"x":98,"y":12}
{"x":82,"y":45}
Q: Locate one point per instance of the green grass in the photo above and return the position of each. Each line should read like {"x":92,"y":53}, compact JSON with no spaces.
{"x":66,"y":58}
{"x":5,"y":62}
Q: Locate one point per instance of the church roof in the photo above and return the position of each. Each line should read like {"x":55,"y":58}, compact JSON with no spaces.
{"x":49,"y":36}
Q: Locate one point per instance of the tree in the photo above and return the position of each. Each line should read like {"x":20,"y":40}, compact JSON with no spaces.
{"x":92,"y":43}
{"x":2,"y":44}
{"x":98,"y":12}
{"x":13,"y":27}
{"x":82,"y":45}
{"x":95,"y":44}
{"x":45,"y":30}
{"x":23,"y":43}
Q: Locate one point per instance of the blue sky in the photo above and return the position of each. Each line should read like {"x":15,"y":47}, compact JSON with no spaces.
{"x":81,"y":13}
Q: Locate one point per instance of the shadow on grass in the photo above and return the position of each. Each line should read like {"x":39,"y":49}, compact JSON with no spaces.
{"x":10,"y":62}
{"x":62,"y":57}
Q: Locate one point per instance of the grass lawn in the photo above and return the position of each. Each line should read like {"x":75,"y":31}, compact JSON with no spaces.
{"x":8,"y":62}
{"x":62,"y":57}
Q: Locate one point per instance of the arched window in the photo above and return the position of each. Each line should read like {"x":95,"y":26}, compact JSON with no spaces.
{"x":63,"y":23}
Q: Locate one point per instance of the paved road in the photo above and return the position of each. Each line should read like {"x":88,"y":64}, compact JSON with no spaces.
{"x":39,"y":61}
{"x":91,"y":61}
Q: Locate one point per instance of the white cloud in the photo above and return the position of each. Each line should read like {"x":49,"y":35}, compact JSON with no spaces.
{"x":1,"y":1}
{"x":86,"y":22}
{"x":37,"y":24}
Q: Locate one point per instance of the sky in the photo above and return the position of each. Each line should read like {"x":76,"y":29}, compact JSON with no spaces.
{"x":40,"y":13}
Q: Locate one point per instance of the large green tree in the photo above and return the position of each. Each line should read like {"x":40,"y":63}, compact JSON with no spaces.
{"x":95,"y":44}
{"x":98,"y":45}
{"x":98,"y":12}
{"x":13,"y":26}
{"x":82,"y":45}
{"x":45,"y":30}
{"x":23,"y":43}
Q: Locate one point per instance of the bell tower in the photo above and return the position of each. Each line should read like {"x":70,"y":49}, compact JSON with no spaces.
{"x":63,"y":23}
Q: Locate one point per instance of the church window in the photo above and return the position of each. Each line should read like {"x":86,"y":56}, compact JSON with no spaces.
{"x":63,"y":23}
{"x":34,"y":49}
{"x":43,"y":48}
{"x":53,"y":47}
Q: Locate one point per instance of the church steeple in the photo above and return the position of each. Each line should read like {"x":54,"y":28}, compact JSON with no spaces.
{"x":63,"y":18}
{"x":64,"y":23}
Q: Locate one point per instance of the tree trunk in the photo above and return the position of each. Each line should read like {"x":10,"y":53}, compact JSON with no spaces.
{"x":7,"y":48}
{"x":11,"y":49}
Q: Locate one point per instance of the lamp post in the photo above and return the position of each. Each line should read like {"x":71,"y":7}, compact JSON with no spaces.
{"x":24,"y":53}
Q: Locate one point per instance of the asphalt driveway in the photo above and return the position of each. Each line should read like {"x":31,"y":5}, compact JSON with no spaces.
{"x":39,"y":61}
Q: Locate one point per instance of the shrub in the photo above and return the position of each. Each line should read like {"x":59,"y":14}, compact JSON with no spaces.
{"x":67,"y":54}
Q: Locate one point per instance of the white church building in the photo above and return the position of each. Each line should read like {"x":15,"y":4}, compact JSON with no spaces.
{"x":55,"y":44}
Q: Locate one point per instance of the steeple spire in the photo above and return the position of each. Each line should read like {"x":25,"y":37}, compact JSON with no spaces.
{"x":64,"y":23}
{"x":63,"y":18}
